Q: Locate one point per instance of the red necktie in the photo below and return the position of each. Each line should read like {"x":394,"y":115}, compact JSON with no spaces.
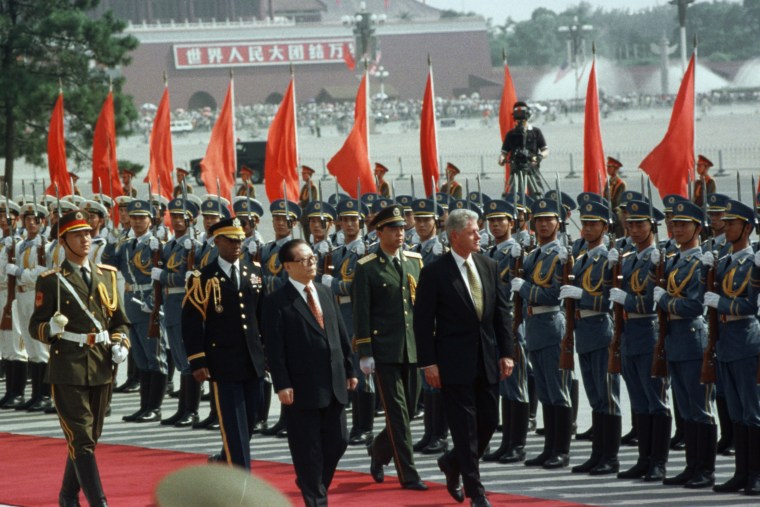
{"x":313,"y":307}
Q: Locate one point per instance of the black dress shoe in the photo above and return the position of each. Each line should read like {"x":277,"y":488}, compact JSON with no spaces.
{"x":453,"y":486}
{"x":701,"y":479}
{"x":205,"y":423}
{"x":259,"y":427}
{"x":187,"y":419}
{"x":480,"y":501}
{"x":364,"y":438}
{"x":272,"y":431}
{"x":217,"y":458}
{"x":514,"y":455}
{"x":556,"y":461}
{"x":131,"y":386}
{"x":283,"y":433}
{"x":375,"y":467}
{"x":656,"y":473}
{"x":42,"y":404}
{"x":415,"y":486}
{"x":213,"y":425}
{"x":149,"y":416}
{"x":436,"y":446}
{"x":133,"y":417}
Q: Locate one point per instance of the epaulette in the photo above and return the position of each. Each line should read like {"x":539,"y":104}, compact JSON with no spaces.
{"x":107,"y":267}
{"x":367,"y":258}
{"x":413,"y":255}
{"x":626,"y":254}
{"x":49,"y":272}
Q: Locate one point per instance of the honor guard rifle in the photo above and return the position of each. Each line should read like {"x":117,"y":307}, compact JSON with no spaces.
{"x":42,"y":248}
{"x":567,"y":348}
{"x":6,"y":323}
{"x":516,"y":271}
{"x":659,"y":361}
{"x":708,"y":374}
{"x":154,"y":323}
{"x":190,"y":228}
{"x":614,"y":362}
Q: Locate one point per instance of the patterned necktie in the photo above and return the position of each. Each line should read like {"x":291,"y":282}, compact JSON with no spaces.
{"x":397,"y":265}
{"x":85,"y":276}
{"x":313,"y":307}
{"x":475,"y":289}
{"x":233,"y":275}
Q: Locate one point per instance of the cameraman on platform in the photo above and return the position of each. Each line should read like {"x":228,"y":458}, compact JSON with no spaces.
{"x":524,"y":147}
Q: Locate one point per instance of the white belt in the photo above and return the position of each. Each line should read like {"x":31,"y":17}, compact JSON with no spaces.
{"x":732,"y":318}
{"x":175,"y":290}
{"x":590,"y":313}
{"x":537,"y":310}
{"x":344,"y":300}
{"x":138,"y":287}
{"x":86,"y":338}
{"x":641,"y":315}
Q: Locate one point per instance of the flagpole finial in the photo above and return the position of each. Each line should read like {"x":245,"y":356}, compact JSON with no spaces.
{"x":60,"y":86}
{"x":166,"y":79}
{"x":429,"y":60}
{"x":292,"y":70}
{"x":232,"y":73}
{"x":110,"y":84}
{"x":504,"y":55}
{"x":695,"y":40}
{"x":366,"y":63}
{"x":593,"y":48}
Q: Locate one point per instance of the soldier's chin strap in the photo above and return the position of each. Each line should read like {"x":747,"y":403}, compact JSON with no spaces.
{"x":63,"y":239}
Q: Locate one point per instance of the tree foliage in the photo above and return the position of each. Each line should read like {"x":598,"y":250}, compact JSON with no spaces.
{"x":725,"y":31}
{"x":47,"y":42}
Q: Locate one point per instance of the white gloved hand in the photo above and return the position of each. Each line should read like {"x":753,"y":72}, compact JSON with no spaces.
{"x":327,"y":280}
{"x":359,"y":249}
{"x":484,"y":240}
{"x":253,"y":247}
{"x":112,"y":238}
{"x":517,"y":284}
{"x":11,"y":269}
{"x":323,"y":248}
{"x":708,"y":259}
{"x":8,"y":242}
{"x":563,"y":254}
{"x":155,"y":274}
{"x":57,"y":324}
{"x":655,"y":257}
{"x":367,"y":365}
{"x":145,"y":308}
{"x":613,"y":256}
{"x":570,"y":291}
{"x":502,"y":159}
{"x":438,"y":248}
{"x":516,"y":250}
{"x":618,"y":295}
{"x":757,"y":259}
{"x":154,"y":243}
{"x":712,"y":299}
{"x":187,"y":244}
{"x":188,"y":274}
{"x":119,"y":353}
{"x":658,"y":293}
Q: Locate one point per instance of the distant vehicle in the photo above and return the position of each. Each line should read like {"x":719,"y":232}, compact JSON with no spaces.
{"x":181,"y":126}
{"x":249,"y":153}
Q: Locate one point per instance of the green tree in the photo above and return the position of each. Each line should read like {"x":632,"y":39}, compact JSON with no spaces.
{"x":43,"y":42}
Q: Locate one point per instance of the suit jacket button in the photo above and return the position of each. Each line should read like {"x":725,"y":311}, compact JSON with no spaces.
{"x":242,"y":315}
{"x":242,"y":305}
{"x":240,"y":294}
{"x":213,"y":344}
{"x":245,"y":326}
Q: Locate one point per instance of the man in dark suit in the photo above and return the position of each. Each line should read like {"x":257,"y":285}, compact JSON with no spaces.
{"x":309,"y":356}
{"x":220,"y":323}
{"x":464,"y":343}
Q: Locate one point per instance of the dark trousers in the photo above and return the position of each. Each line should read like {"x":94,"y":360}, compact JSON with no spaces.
{"x":81,"y":412}
{"x":236,"y":404}
{"x":398,"y":389}
{"x":472,"y":411}
{"x":317,"y":439}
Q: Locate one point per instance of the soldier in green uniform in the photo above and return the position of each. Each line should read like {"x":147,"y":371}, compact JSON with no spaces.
{"x":87,"y":331}
{"x":383,"y":295}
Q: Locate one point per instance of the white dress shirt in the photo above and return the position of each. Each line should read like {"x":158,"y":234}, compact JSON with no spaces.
{"x":227,"y":267}
{"x":461,"y":261}
{"x":300,"y":288}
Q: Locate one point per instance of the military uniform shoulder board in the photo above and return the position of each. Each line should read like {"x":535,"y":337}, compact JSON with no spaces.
{"x":413,"y":255}
{"x":107,"y":267}
{"x":49,"y":272}
{"x":367,"y":258}
{"x":626,"y":254}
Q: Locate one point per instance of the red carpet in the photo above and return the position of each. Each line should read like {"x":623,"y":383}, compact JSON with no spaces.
{"x":31,"y":469}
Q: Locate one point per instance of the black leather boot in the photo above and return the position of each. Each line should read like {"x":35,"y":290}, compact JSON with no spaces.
{"x":181,"y":405}
{"x":212,"y":420}
{"x":33,"y":370}
{"x":8,"y":375}
{"x":644,"y":443}
{"x":89,"y":480}
{"x":156,"y":395}
{"x":192,"y":395}
{"x":440,"y":427}
{"x":706,"y":442}
{"x":726,"y":442}
{"x":68,"y":496}
{"x":427,"y":422}
{"x":365,"y":417}
{"x":132,"y":384}
{"x":44,"y":401}
{"x":574,"y":402}
{"x":563,"y":427}
{"x":611,"y":429}
{"x":741,"y":461}
{"x":678,"y":440}
{"x":144,"y":384}
{"x":518,"y":432}
{"x":548,"y":411}
{"x":533,"y":402}
{"x":597,"y":436}
{"x":506,"y":420}
{"x":690,"y":438}
{"x":753,"y":462}
{"x":660,"y":448}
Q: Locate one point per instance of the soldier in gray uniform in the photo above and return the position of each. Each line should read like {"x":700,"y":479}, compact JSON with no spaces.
{"x":249,"y":211}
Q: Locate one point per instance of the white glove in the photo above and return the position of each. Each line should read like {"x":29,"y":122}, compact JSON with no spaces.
{"x":712,"y":299}
{"x":188,"y":274}
{"x":516,"y":250}
{"x":517,"y":284}
{"x":658,"y":293}
{"x":618,"y":295}
{"x":359,"y":249}
{"x":145,"y":308}
{"x":119,"y":353}
{"x":438,"y":248}
{"x":327,"y":280}
{"x":187,"y":244}
{"x":655,"y":257}
{"x":484,"y":240}
{"x":323,"y":248}
{"x":563,"y":255}
{"x":570,"y":291}
{"x":8,"y":242}
{"x":613,"y":256}
{"x":112,"y":238}
{"x":11,"y":269}
{"x":708,"y":259}
{"x":757,"y":259}
{"x":367,"y":365}
{"x":154,"y":243}
{"x":502,"y":159}
{"x":253,"y":247}
{"x":155,"y":274}
{"x":57,"y":324}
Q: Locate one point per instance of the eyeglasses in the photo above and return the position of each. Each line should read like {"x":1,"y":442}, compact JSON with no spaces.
{"x":306,"y":261}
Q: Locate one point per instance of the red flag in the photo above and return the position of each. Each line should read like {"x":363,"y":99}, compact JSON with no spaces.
{"x":351,"y":164}
{"x":220,"y":162}
{"x":56,"y":151}
{"x":348,"y":57}
{"x":104,"y":166}
{"x":672,"y":161}
{"x":161,"y":156}
{"x":506,"y":120}
{"x":429,"y":138}
{"x":281,"y":161}
{"x":594,"y":166}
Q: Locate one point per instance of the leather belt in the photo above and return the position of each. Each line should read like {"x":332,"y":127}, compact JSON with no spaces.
{"x":538,"y":310}
{"x":732,"y":318}
{"x":344,"y":300}
{"x":89,"y":339}
{"x":640,"y":315}
{"x":175,"y":290}
{"x":589,"y":313}
{"x":137,"y":287}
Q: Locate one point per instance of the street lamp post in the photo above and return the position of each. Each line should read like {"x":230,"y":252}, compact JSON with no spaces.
{"x":364,"y":24}
{"x":574,"y":40}
{"x":382,"y":74}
